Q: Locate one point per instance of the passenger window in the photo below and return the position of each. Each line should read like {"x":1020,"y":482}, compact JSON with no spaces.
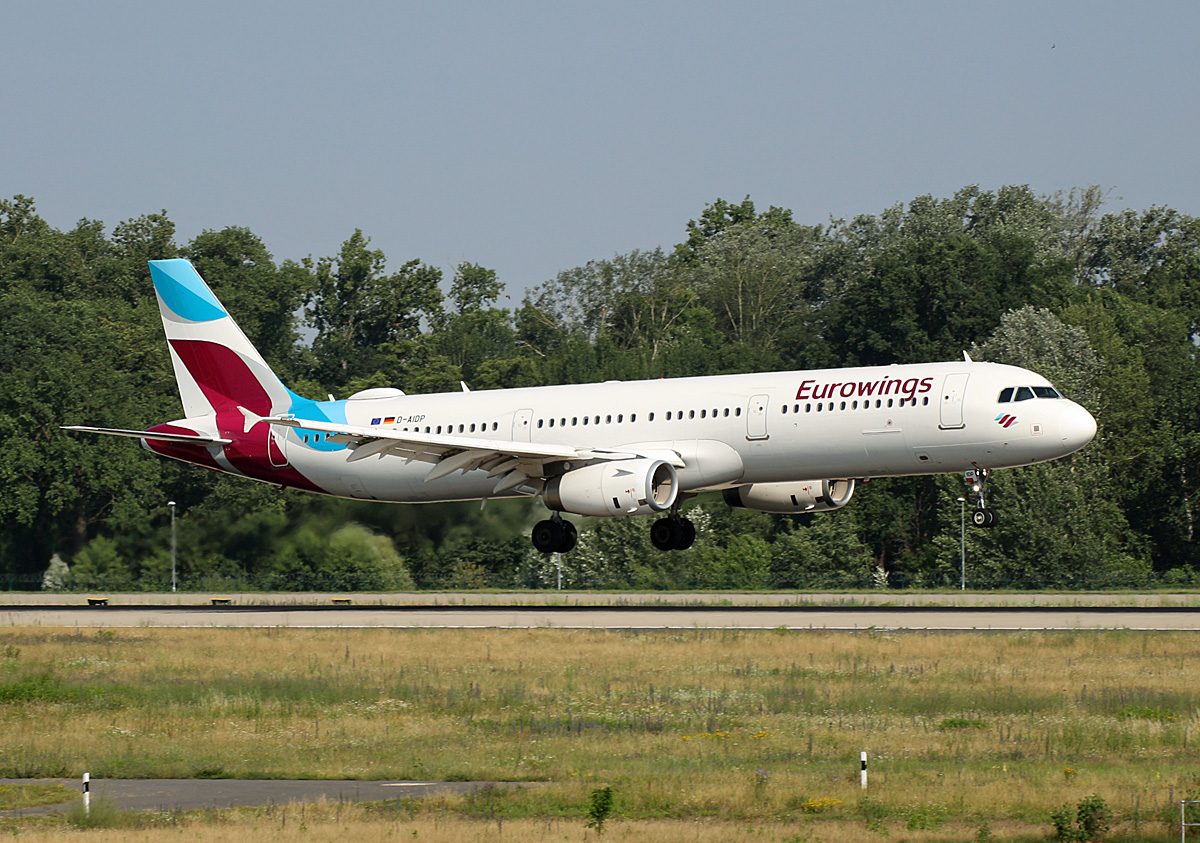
{"x":727,"y":410}
{"x":585,"y":419}
{"x":620,"y":417}
{"x":540,"y":422}
{"x":668,"y":415}
{"x":633,"y":417}
{"x":1024,"y":393}
{"x":691,"y":414}
{"x":472,"y":428}
{"x":738,"y":411}
{"x":651,"y":417}
{"x":843,"y":405}
{"x":808,"y":408}
{"x":608,"y":419}
{"x":703,"y":413}
{"x":783,"y":409}
{"x":1005,"y":395}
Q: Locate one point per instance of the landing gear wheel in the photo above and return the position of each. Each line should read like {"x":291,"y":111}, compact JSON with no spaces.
{"x":687,"y":534}
{"x":570,"y":537}
{"x":672,"y":533}
{"x":664,"y":534}
{"x":548,"y":536}
{"x":985,"y":517}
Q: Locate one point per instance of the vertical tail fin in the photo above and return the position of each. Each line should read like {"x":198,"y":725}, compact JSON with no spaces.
{"x":217,"y":368}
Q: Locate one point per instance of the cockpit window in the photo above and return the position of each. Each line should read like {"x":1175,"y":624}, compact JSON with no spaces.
{"x":1046,"y":392}
{"x":1005,"y":395}
{"x":1024,"y":393}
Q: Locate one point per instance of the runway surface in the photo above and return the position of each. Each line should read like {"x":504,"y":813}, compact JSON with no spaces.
{"x":629,"y":617}
{"x":194,"y":794}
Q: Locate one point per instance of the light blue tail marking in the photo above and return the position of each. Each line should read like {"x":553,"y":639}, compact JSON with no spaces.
{"x":184,"y":291}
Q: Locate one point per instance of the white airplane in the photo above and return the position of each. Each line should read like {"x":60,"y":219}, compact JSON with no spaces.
{"x":788,"y":442}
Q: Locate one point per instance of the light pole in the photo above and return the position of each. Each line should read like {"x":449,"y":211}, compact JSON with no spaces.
{"x":962,"y":543}
{"x":172,"y":505}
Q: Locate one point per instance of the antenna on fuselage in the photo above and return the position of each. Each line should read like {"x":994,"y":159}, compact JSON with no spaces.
{"x":967,"y":358}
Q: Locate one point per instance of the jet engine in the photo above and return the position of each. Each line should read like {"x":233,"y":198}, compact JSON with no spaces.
{"x":620,"y":487}
{"x":805,"y":496}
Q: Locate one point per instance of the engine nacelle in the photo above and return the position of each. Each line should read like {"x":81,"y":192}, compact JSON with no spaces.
{"x":805,"y":496}
{"x":620,"y":487}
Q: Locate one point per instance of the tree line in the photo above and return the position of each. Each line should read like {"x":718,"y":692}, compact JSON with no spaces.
{"x":1104,"y":303}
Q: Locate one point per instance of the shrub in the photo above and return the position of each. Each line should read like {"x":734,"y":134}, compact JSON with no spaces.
{"x":1091,"y":819}
{"x":601,"y":806}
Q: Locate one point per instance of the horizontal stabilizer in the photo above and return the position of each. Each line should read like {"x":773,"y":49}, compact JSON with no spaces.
{"x":181,"y":438}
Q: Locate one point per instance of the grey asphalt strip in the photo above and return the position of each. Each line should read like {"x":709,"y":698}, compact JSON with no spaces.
{"x":615,"y":618}
{"x":194,"y":794}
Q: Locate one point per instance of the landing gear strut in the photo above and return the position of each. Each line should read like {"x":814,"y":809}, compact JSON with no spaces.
{"x":984,"y":515}
{"x":673,"y":532}
{"x":554,"y":535}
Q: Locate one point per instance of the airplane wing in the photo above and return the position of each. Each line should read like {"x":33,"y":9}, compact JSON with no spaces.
{"x":182,"y":438}
{"x":513,"y":463}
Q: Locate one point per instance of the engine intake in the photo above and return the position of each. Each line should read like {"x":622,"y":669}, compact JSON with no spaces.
{"x":805,"y":496}
{"x":622,"y":487}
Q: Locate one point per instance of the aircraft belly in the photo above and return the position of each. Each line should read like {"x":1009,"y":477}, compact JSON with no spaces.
{"x":887,"y":451}
{"x":812,"y":454}
{"x":710,"y":463}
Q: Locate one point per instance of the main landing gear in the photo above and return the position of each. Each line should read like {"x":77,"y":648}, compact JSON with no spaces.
{"x":554,"y":535}
{"x":557,"y":535}
{"x":983,"y":515}
{"x":673,"y":532}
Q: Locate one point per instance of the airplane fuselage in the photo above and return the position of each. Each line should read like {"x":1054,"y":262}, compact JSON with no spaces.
{"x":730,"y":429}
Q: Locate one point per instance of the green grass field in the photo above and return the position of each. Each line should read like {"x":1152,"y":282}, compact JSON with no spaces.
{"x":698,"y":733}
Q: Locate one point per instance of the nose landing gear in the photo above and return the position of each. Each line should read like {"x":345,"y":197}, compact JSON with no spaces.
{"x":983,"y":515}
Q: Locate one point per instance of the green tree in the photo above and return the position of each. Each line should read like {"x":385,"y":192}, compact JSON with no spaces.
{"x":365,"y":318}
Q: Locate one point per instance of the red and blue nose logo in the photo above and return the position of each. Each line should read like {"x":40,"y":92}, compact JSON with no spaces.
{"x":1006,"y":420}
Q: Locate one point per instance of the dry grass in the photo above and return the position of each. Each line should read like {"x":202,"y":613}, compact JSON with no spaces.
{"x":323,"y":822}
{"x":703,"y":735}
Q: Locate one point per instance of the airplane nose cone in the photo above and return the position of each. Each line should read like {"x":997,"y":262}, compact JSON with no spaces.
{"x":1076,"y":427}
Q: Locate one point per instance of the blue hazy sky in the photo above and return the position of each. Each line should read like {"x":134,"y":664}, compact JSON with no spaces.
{"x":532,"y":137}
